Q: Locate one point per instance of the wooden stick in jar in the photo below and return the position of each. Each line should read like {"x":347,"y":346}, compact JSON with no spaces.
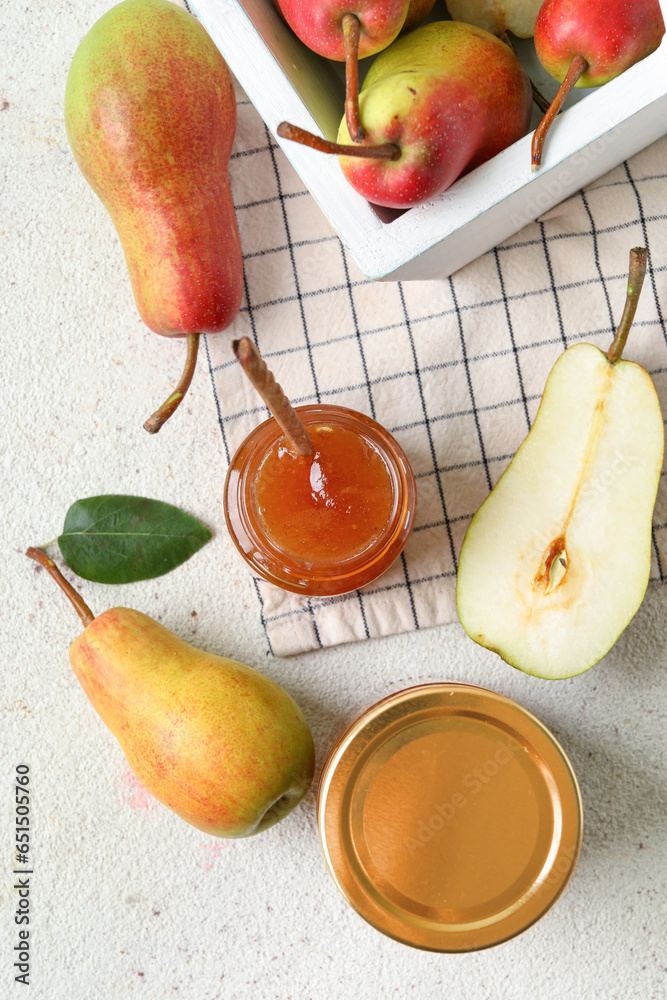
{"x":279,"y":405}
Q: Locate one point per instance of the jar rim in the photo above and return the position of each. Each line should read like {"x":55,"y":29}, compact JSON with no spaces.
{"x":288,"y":571}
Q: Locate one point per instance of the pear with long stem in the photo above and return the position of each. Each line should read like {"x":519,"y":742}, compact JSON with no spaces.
{"x":586,"y":43}
{"x":150,"y":113}
{"x":218,"y":743}
{"x":348,"y":32}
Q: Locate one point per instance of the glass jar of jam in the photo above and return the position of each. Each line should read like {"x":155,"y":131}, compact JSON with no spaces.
{"x":326,"y":523}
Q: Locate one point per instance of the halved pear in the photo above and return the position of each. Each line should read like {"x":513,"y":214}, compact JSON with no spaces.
{"x":556,"y":561}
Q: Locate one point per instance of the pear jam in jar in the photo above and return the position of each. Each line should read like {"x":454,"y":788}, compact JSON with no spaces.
{"x":325,"y":523}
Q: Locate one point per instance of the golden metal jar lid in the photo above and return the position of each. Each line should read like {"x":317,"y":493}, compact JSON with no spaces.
{"x":450,"y":817}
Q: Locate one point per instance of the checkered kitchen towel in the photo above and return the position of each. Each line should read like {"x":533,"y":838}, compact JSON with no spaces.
{"x":455,"y":369}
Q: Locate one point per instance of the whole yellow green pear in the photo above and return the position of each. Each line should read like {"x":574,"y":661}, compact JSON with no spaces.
{"x":220,"y":744}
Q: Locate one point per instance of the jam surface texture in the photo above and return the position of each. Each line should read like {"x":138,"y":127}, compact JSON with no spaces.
{"x":329,"y":506}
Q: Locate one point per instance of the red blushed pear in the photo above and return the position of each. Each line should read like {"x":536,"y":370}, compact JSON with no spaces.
{"x":435,"y":105}
{"x":586,"y":43}
{"x":150,"y":114}
{"x":218,"y":743}
{"x":346,"y":33}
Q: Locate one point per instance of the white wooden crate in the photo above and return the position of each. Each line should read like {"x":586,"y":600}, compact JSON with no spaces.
{"x":285,"y":81}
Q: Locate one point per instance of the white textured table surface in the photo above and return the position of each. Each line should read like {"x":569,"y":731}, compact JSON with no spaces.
{"x":127,"y":900}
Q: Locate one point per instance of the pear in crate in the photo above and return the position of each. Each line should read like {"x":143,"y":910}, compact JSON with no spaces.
{"x":218,"y":743}
{"x":150,"y":114}
{"x":556,"y":561}
{"x":586,"y":43}
{"x":435,"y":104}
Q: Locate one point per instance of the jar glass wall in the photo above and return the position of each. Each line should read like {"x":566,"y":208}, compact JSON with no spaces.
{"x":342,"y":537}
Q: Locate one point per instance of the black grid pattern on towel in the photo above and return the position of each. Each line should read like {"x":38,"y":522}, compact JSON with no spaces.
{"x":454,"y":369}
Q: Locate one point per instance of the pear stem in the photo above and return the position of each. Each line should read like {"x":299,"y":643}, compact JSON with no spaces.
{"x":351,"y":33}
{"x":279,"y":405}
{"x":577,"y":67}
{"x":78,"y":603}
{"x":170,"y":405}
{"x":387,"y":151}
{"x":638,"y":261}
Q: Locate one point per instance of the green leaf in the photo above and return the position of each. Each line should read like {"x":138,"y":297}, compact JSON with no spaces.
{"x":119,"y":539}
